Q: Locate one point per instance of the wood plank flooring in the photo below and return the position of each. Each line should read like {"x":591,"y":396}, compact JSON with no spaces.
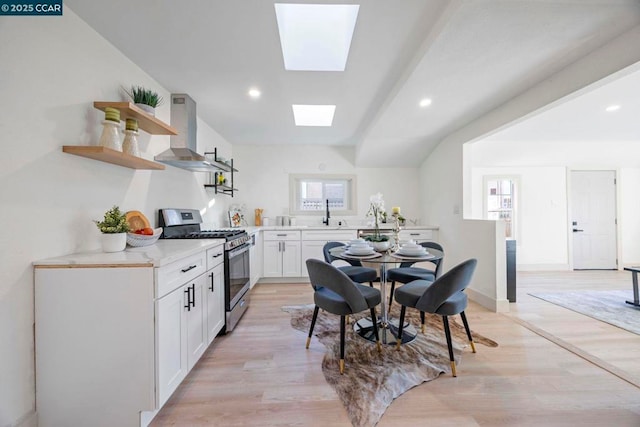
{"x":261,"y":374}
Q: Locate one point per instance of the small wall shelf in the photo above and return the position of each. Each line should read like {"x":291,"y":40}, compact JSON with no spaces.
{"x":212,"y":158}
{"x":111,"y":156}
{"x":146,"y":121}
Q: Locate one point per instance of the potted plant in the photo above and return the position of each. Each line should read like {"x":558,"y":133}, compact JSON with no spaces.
{"x":379,"y":241}
{"x":114,"y":229}
{"x":146,"y":99}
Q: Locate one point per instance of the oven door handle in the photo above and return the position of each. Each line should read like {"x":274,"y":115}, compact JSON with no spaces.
{"x":240,"y":249}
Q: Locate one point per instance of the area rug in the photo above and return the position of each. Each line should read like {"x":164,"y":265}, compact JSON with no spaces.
{"x":371,"y":379}
{"x":606,"y":306}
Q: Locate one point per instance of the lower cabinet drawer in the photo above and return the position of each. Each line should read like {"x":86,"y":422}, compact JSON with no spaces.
{"x":179,"y":272}
{"x":417,"y":235}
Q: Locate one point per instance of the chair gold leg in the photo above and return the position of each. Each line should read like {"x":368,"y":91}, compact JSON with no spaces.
{"x":347,"y":319}
{"x":379,"y":346}
{"x":453,"y":369}
{"x":398,"y":343}
{"x":422,"y":328}
{"x":308,"y":341}
{"x":473,"y":347}
{"x":341,"y":366}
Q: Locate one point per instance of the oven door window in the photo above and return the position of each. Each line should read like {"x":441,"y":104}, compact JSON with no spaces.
{"x":238,"y":275}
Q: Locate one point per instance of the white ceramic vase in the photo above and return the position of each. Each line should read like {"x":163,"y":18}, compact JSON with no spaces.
{"x":130,"y":143}
{"x":110,"y":137}
{"x":113,"y":242}
{"x":380,"y":246}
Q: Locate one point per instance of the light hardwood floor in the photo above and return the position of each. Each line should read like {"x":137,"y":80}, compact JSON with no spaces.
{"x":553,"y":367}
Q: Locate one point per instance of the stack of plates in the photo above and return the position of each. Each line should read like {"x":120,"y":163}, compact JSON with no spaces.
{"x":360,"y":249}
{"x":410,"y":249}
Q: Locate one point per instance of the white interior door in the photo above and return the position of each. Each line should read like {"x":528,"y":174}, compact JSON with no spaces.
{"x":593,"y":206}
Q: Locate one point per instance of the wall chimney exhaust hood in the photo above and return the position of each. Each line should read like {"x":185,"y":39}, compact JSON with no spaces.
{"x":182,"y":152}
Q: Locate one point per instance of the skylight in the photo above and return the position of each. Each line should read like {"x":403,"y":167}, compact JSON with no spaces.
{"x":313,"y":115}
{"x":316,"y":37}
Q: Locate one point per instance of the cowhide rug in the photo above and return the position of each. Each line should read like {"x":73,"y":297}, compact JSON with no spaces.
{"x":372,"y":380}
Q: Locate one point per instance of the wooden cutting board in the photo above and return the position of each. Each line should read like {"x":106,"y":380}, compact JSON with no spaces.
{"x":137,"y":220}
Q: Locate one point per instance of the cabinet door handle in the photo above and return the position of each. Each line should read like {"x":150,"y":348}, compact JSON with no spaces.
{"x":193,"y":292}
{"x":284,"y":246}
{"x":414,"y":234}
{"x":211,"y":288}
{"x":217,"y":255}
{"x":282,"y":235}
{"x":191,"y":267}
{"x":188,"y":292}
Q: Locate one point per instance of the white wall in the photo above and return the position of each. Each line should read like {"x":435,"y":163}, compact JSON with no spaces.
{"x":52,"y":71}
{"x":541,"y":213}
{"x":263,"y":180}
{"x":442,"y":177}
{"x":542,"y":167}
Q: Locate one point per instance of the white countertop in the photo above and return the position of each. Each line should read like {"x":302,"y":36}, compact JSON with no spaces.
{"x":161,"y":253}
{"x":385,"y":227}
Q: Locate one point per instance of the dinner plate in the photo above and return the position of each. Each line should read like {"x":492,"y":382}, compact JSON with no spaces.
{"x":360,"y":253}
{"x":412,"y":253}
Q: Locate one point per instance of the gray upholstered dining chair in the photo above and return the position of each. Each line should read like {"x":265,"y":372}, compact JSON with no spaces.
{"x":445,"y":297}
{"x":356,"y":271}
{"x":407,"y":273}
{"x":336,"y":293}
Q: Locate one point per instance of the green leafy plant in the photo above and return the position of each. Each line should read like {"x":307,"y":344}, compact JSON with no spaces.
{"x":140,"y":95}
{"x":114,"y":221}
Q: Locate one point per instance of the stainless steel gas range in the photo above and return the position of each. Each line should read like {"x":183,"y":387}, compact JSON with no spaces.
{"x":186,"y":224}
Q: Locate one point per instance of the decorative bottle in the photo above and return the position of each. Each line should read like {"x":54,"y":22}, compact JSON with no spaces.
{"x":110,"y":137}
{"x":130,"y":143}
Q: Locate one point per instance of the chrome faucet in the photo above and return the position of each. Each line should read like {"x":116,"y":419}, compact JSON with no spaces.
{"x":326,"y":220}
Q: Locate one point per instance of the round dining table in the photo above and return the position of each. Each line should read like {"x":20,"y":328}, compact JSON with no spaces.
{"x":388,"y":326}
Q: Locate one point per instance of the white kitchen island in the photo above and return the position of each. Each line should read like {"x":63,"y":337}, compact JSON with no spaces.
{"x":116,"y":333}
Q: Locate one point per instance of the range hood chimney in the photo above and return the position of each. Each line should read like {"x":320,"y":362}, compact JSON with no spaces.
{"x":182,"y":153}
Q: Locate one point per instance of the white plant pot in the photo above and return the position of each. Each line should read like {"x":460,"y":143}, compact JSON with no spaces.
{"x":113,"y":242}
{"x":147,"y":108}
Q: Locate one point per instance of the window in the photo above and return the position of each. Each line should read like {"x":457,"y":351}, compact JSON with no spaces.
{"x":309,"y":194}
{"x":500,"y":201}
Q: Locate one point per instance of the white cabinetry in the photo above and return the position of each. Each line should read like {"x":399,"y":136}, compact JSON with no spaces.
{"x":215,"y":292}
{"x":281,"y":254}
{"x":419,"y":235}
{"x":114,"y":341}
{"x":313,"y":242}
{"x":255,"y":256}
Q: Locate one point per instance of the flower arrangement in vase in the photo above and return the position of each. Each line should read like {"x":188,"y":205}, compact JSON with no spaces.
{"x":379,"y":241}
{"x":114,"y":229}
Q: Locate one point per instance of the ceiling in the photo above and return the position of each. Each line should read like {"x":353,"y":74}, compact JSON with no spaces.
{"x":468,"y":56}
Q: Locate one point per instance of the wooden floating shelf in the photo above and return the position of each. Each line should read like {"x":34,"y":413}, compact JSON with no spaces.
{"x":111,"y":156}
{"x":146,"y":121}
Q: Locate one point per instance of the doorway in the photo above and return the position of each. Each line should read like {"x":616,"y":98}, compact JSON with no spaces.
{"x":593,"y":210}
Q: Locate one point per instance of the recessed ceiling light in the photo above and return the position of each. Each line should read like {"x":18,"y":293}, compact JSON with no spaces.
{"x":612,"y":108}
{"x":316,"y":37}
{"x":313,"y":115}
{"x":425,"y":102}
{"x":254,"y":93}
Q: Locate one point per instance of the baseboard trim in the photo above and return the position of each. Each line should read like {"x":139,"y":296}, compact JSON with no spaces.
{"x":495,"y":305}
{"x":542,"y":267}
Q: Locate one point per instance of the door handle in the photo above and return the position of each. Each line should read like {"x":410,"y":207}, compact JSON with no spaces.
{"x":575,"y":230}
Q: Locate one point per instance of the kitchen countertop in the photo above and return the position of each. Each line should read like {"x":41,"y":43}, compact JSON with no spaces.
{"x":161,"y":253}
{"x":385,"y":227}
